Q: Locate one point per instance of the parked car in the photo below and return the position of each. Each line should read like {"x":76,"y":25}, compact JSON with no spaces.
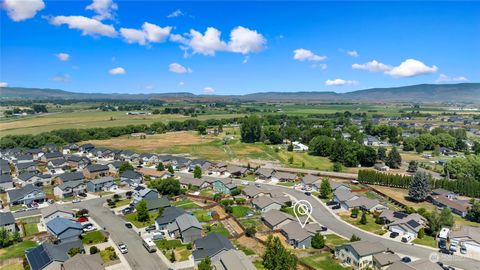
{"x":150,"y":228}
{"x":406,"y":239}
{"x":323,"y":228}
{"x":245,"y":183}
{"x":463,"y":249}
{"x":308,"y":193}
{"x":406,"y":259}
{"x":128,"y":225}
{"x":446,"y":251}
{"x":76,"y":201}
{"x":127,"y":210}
{"x":453,"y":246}
{"x":330,"y":203}
{"x":157,"y":235}
{"x":123,"y":248}
{"x":337,"y":206}
{"x":394,"y":234}
{"x":82,"y":195}
{"x":50,"y":201}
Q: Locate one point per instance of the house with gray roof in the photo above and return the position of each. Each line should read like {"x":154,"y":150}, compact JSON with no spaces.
{"x":169,"y":215}
{"x":101,"y":184}
{"x":185,"y":227}
{"x":50,"y":256}
{"x":34,"y":178}
{"x":69,"y":189}
{"x":63,"y":229}
{"x":233,"y":260}
{"x":309,"y":179}
{"x":7,"y":222}
{"x":79,"y":162}
{"x":26,"y":195}
{"x":359,"y":255}
{"x":54,"y":211}
{"x":422,"y":264}
{"x":469,"y":237}
{"x":265,"y":204}
{"x":84,"y":262}
{"x":236,"y":171}
{"x":95,"y":170}
{"x":47,"y":157}
{"x":4,"y":167}
{"x":6,"y":182}
{"x":213,"y":245}
{"x":285,"y":176}
{"x":296,"y":236}
{"x":187,"y":181}
{"x":144,"y":193}
{"x":365,"y":204}
{"x":265,"y":173}
{"x":342,"y":196}
{"x":384,"y":260}
{"x":70,"y":176}
{"x":131,"y":178}
{"x":26,"y":167}
{"x":408,"y":226}
{"x":224,"y":185}
{"x":156,"y":203}
{"x":275,"y":219}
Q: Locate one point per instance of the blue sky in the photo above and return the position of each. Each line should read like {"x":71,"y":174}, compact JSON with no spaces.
{"x":157,"y":46}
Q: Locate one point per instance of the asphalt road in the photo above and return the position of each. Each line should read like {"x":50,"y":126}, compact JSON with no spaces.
{"x":138,"y":257}
{"x":325,"y":217}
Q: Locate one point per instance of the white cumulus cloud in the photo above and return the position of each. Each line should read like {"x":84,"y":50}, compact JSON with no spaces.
{"x":88,"y":26}
{"x":208,"y":43}
{"x":208,"y":90}
{"x":372,"y":66}
{"x":177,"y":68}
{"x":411,"y":68}
{"x":63,"y":56}
{"x":443,"y":78}
{"x":340,"y":82}
{"x":117,"y":71}
{"x":176,"y":13}
{"x":20,"y":10}
{"x":244,"y":40}
{"x":181,"y":83}
{"x":307,"y":55}
{"x":105,"y":9}
{"x":3,"y":84}
{"x":148,"y":34}
{"x":352,"y":53}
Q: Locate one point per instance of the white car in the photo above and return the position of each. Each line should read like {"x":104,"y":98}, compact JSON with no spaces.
{"x":76,"y":201}
{"x":89,"y":229}
{"x":123,"y":248}
{"x":245,"y":183}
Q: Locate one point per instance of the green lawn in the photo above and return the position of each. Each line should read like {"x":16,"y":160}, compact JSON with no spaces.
{"x":108,"y":254}
{"x":16,"y":250}
{"x":168,"y":244}
{"x":286,"y":184}
{"x":245,"y":249}
{"x":30,"y":229}
{"x":240,"y":211}
{"x":426,"y":241}
{"x":323,"y":261}
{"x":202,"y":215}
{"x":17,"y":207}
{"x":186,"y":204}
{"x":132,"y":218}
{"x":14,"y":266}
{"x":371,"y":226}
{"x":249,"y":177}
{"x":207,"y":193}
{"x":94,"y":237}
{"x":220,"y":229}
{"x":103,"y":193}
{"x":333,"y":240}
{"x":123,"y":202}
{"x":258,"y":265}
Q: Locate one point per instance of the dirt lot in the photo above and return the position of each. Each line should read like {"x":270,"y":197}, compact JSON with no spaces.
{"x":232,"y":226}
{"x":251,"y":244}
{"x":153,"y":142}
{"x":401,"y":195}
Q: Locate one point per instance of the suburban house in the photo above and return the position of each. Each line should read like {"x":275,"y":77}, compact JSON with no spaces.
{"x":338,"y":186}
{"x":47,"y":157}
{"x":6,"y":182}
{"x":299,"y":147}
{"x":203,"y":164}
{"x":308,"y":180}
{"x":78,"y":162}
{"x":70,"y":176}
{"x":265,"y":204}
{"x":358,"y":255}
{"x":188,"y":181}
{"x":4,"y":167}
{"x":443,"y":192}
{"x":85,"y":148}
{"x":26,"y":195}
{"x":101,"y":184}
{"x":147,"y":158}
{"x":458,"y":207}
{"x":34,"y":178}
{"x":85,"y":262}
{"x":421,"y":264}
{"x":50,"y":256}
{"x":236,"y":171}
{"x":383,"y":260}
{"x":343,"y":196}
{"x":144,"y":193}
{"x":25,"y":167}
{"x":63,"y":229}
{"x":469,"y":237}
{"x":381,"y":167}
{"x":233,"y":260}
{"x":54,"y":211}
{"x":156,"y":203}
{"x":185,"y":227}
{"x":7,"y":222}
{"x":253,"y":191}
{"x":131,"y":178}
{"x":169,"y":215}
{"x":225,"y":186}
{"x":219,"y":169}
{"x":154,"y":173}
{"x":95,"y":170}
{"x":265,"y":173}
{"x":296,"y":236}
{"x":68,"y":149}
{"x":69,"y":189}
{"x":365,"y":204}
{"x":408,"y":226}
{"x":285,"y":177}
{"x":114,"y":167}
{"x":213,"y":245}
{"x":275,"y":219}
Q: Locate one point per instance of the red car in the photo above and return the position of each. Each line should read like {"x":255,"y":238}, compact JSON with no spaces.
{"x":82,"y":219}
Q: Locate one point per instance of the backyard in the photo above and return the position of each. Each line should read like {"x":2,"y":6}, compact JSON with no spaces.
{"x":323,"y":261}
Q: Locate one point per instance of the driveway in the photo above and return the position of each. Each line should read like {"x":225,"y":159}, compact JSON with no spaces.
{"x":327,"y":218}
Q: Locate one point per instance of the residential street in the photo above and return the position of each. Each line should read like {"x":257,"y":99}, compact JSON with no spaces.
{"x":326,"y":218}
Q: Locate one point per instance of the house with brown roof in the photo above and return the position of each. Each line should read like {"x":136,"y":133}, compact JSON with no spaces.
{"x":458,"y":207}
{"x":154,"y":173}
{"x":359,"y":255}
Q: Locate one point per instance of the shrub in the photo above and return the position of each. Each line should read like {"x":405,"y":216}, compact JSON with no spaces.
{"x":94,"y":250}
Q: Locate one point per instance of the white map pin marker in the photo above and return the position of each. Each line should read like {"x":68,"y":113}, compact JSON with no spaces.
{"x":302,"y":208}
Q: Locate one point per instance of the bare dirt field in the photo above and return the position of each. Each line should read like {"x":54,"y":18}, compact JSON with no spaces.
{"x":401,"y":196}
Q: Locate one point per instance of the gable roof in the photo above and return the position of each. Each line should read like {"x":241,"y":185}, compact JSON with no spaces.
{"x":44,"y":254}
{"x":363,"y":202}
{"x":310,"y":179}
{"x":5,"y":178}
{"x":210,"y":246}
{"x":53,"y":155}
{"x":59,"y":225}
{"x":170,"y":214}
{"x":6,"y":218}
{"x":71,"y":184}
{"x":157,"y":203}
{"x":294,"y":231}
{"x":386,"y":258}
{"x":16,"y":194}
{"x":264,"y":201}
{"x":131,"y":174}
{"x":467,"y":232}
{"x":54,"y":208}
{"x":234,"y":259}
{"x":187,"y":221}
{"x":25,"y":165}
{"x":71,"y":176}
{"x":84,"y":262}
{"x":364,"y":248}
{"x":96,"y":167}
{"x":102,"y":180}
{"x":275,"y":217}
{"x":264,"y":172}
{"x":344,"y":195}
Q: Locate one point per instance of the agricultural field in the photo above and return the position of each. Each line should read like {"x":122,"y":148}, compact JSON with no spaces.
{"x":89,"y":119}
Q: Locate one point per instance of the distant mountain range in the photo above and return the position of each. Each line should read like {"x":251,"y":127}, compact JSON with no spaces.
{"x":421,"y":93}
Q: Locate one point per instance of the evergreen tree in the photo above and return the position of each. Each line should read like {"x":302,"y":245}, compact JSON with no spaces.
{"x":142,"y":211}
{"x":412,"y":166}
{"x":325,"y":189}
{"x":419,"y":187}
{"x":125,"y":167}
{"x":170,"y":169}
{"x":394,"y":160}
{"x":318,"y":241}
{"x":197,"y":172}
{"x":363,"y":219}
{"x":205,"y":264}
{"x":251,"y":129}
{"x":446,"y":217}
{"x":381,"y":153}
{"x":160,"y":167}
{"x":355,"y":238}
{"x":276,"y":257}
